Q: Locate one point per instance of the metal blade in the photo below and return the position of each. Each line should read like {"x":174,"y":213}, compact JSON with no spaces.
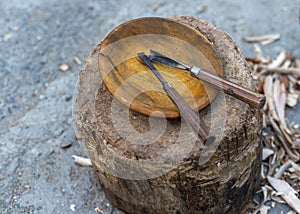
{"x":147,"y":61}
{"x":160,"y":58}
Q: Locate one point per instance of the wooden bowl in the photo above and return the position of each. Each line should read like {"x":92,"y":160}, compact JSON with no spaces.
{"x":132,"y":82}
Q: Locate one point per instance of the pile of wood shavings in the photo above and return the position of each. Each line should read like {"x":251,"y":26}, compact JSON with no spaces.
{"x":279,"y":80}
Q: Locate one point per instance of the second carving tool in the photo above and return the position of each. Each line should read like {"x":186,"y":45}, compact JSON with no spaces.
{"x":191,"y":117}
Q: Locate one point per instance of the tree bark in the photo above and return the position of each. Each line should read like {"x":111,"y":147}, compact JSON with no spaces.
{"x":153,"y":177}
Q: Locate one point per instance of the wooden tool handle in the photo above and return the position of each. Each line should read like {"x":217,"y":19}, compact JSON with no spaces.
{"x":252,"y":98}
{"x":187,"y":112}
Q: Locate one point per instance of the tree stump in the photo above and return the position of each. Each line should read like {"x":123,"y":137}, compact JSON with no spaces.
{"x":135,"y":178}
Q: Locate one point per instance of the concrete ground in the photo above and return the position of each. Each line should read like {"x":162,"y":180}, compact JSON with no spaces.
{"x":36,"y":36}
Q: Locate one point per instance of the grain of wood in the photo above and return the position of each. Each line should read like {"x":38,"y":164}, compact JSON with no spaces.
{"x":131,"y":81}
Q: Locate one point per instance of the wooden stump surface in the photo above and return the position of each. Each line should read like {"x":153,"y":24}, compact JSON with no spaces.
{"x":222,"y":185}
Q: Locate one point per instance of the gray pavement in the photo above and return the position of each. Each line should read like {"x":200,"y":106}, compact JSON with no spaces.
{"x":36,"y":175}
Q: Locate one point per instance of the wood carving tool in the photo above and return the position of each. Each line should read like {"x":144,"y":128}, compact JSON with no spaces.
{"x":252,"y":98}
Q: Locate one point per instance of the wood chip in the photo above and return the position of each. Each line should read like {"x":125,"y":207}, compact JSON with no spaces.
{"x":294,"y":176}
{"x":291,"y":169}
{"x":278,"y":61}
{"x":280,"y":154}
{"x":63,"y":67}
{"x":295,"y":166}
{"x":264,"y":40}
{"x":98,"y":210}
{"x":287,"y":63}
{"x":82,"y":161}
{"x":292,"y":99}
{"x":282,"y":169}
{"x":289,"y":194}
{"x":279,"y":97}
{"x":272,"y":38}
{"x":275,"y":196}
{"x":280,"y":70}
{"x":267,"y":153}
{"x":265,"y":194}
{"x":263,"y":209}
{"x":8,"y":37}
{"x":268,"y":89}
{"x":66,"y":145}
{"x":77,"y":60}
{"x":262,"y":174}
{"x":259,"y":57}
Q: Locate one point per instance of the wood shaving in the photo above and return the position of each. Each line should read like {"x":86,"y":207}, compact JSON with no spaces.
{"x":265,"y":194}
{"x":77,"y":60}
{"x":278,"y":61}
{"x":292,"y":99}
{"x":276,"y":196}
{"x":282,"y":70}
{"x":266,"y":153}
{"x":264,"y":40}
{"x":259,"y":55}
{"x":282,"y":169}
{"x":98,"y":210}
{"x":289,"y":194}
{"x":279,"y":80}
{"x":66,"y":145}
{"x":82,"y":161}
